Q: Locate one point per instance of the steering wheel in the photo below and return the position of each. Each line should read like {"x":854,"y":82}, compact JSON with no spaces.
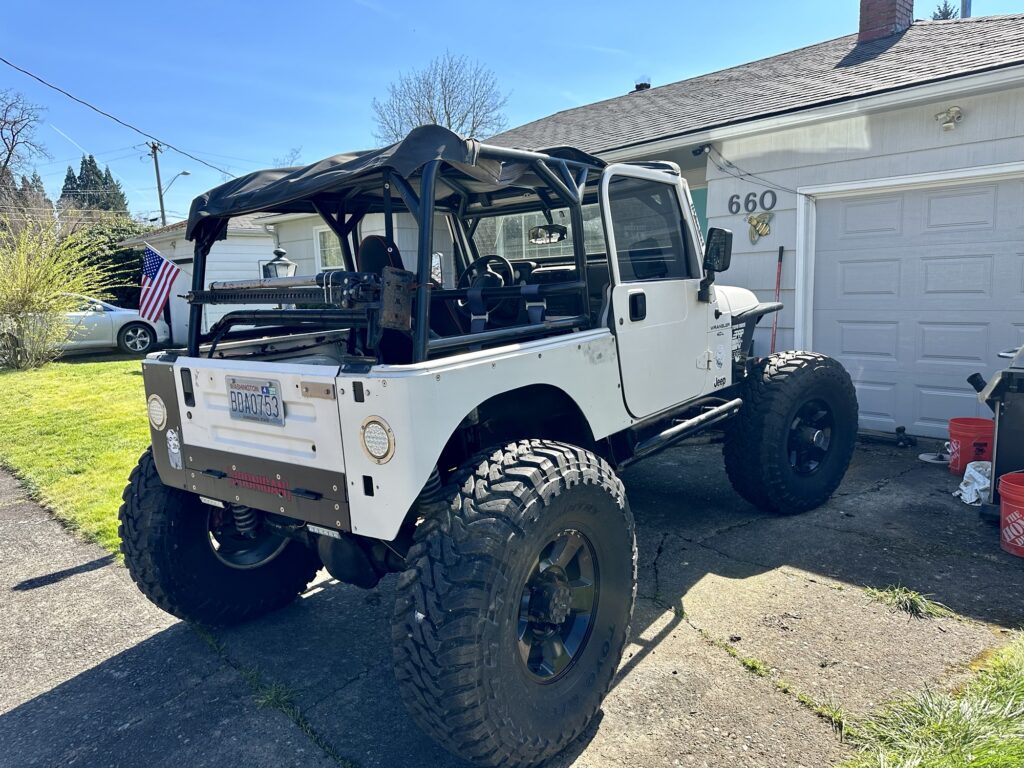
{"x":481,"y":274}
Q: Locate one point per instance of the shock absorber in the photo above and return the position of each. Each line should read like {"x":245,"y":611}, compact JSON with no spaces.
{"x":245,"y":520}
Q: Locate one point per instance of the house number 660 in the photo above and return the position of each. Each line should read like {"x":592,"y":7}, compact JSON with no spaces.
{"x":751,"y":202}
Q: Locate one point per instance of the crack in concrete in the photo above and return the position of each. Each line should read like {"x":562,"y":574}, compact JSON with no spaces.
{"x":878,"y":485}
{"x":654,"y":564}
{"x":338,"y":689}
{"x":254,"y":678}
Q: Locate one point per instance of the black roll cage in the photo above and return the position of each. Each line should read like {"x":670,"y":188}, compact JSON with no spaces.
{"x":547,"y":182}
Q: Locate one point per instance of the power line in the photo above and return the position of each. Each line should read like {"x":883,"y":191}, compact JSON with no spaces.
{"x":112,"y":117}
{"x":744,"y":174}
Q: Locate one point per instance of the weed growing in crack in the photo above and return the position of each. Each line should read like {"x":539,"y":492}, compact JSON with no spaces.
{"x":756,"y":666}
{"x":273,"y":695}
{"x":829,"y":710}
{"x":900,"y":598}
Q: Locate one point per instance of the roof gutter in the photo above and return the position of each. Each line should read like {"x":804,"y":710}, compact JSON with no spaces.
{"x":981,"y":82}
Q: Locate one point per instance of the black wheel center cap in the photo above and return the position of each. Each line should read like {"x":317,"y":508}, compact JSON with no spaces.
{"x":551,"y":600}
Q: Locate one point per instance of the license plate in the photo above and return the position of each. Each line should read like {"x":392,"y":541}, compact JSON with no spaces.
{"x":256,"y":400}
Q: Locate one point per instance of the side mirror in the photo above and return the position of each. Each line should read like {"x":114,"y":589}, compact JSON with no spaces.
{"x":718,"y":250}
{"x":546,"y":234}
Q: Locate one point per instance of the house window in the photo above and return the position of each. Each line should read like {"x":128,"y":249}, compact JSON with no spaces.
{"x":328,"y":250}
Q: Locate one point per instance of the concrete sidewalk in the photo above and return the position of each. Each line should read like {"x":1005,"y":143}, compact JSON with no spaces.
{"x":92,"y":674}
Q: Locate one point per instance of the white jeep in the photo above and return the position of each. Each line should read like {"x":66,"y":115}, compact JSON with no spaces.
{"x":464,"y":429}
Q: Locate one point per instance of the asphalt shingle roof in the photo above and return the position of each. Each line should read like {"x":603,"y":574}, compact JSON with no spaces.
{"x":238,"y":224}
{"x":825,"y":73}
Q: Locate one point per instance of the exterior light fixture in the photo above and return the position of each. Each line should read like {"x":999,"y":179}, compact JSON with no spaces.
{"x":280,"y":266}
{"x":950,"y":118}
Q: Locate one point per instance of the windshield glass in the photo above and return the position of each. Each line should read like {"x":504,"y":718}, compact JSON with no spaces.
{"x":509,"y":235}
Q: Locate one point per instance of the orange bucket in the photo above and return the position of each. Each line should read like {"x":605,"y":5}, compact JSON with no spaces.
{"x":1011,"y":513}
{"x":970,"y":440}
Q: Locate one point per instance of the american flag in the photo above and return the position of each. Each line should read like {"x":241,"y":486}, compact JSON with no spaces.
{"x":157,"y":278}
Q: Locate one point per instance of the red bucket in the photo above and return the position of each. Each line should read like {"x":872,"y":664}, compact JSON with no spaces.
{"x":969,"y":440}
{"x":1011,"y":513}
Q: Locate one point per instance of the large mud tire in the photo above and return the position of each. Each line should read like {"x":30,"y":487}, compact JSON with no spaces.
{"x":166,"y":545}
{"x":463,"y":656}
{"x":787,"y":398}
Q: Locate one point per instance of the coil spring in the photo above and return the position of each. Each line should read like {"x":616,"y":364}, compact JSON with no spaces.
{"x":432,"y":490}
{"x":245,"y":520}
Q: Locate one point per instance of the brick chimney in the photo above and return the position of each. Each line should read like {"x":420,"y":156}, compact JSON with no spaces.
{"x":881,"y":18}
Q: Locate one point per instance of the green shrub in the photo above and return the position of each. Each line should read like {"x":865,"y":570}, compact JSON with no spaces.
{"x":40,"y":273}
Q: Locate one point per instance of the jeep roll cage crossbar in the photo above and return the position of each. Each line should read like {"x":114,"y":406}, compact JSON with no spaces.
{"x":432,"y":170}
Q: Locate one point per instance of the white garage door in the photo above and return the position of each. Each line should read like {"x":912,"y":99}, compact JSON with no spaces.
{"x":916,"y":290}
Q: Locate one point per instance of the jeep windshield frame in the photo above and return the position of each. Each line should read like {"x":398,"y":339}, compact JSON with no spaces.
{"x":431,"y":171}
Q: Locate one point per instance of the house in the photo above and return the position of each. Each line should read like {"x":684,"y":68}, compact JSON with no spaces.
{"x":888,"y":167}
{"x":248,"y":246}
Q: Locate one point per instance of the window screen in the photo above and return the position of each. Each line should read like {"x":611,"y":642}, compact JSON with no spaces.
{"x":650,"y":235}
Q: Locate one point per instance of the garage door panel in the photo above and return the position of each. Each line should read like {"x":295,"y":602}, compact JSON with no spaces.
{"x":955,"y":210}
{"x":878,"y":404}
{"x":873,"y":218}
{"x":948,"y":276}
{"x":877,"y":340}
{"x":912,"y":307}
{"x":953,"y":344}
{"x":868,"y":277}
{"x":934,"y":405}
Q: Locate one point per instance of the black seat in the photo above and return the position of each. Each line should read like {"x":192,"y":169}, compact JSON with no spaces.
{"x":376,"y":252}
{"x":647,"y":260}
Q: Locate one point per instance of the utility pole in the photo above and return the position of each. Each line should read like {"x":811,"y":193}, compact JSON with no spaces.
{"x":965,"y":9}
{"x":154,"y":150}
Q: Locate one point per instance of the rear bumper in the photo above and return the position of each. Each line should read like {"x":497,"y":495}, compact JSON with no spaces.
{"x":313,"y":495}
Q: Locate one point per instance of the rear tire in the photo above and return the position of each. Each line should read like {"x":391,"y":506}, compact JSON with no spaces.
{"x":165,"y":538}
{"x":511,"y":619}
{"x":788,"y":449}
{"x":136,"y":339}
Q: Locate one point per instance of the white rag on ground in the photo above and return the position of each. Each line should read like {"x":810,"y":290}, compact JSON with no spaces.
{"x":976,"y":482}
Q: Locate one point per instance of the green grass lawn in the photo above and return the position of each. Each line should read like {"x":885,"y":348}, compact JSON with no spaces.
{"x":72,"y":431}
{"x":980,"y":725}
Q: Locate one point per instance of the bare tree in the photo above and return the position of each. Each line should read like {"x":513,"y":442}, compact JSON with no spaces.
{"x":452,"y":91}
{"x":18,"y":143}
{"x":288,"y":159}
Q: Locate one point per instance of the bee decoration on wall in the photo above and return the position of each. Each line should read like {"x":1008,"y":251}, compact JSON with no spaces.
{"x":760,"y":226}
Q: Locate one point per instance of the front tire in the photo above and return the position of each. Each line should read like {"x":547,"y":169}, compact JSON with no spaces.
{"x":176,"y":562}
{"x":511,"y":619}
{"x":788,"y":449}
{"x":136,"y":339}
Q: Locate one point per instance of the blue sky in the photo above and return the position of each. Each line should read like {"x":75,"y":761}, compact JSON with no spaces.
{"x":239,"y":84}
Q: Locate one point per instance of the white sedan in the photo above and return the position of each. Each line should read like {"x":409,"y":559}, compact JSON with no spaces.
{"x":97,"y":324}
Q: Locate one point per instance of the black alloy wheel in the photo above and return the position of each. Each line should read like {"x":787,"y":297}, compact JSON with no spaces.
{"x":557,"y":606}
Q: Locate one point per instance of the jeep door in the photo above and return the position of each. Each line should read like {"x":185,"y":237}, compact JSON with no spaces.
{"x":660,"y":324}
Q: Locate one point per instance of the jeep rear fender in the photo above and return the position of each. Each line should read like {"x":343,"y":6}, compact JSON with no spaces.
{"x":424,"y":404}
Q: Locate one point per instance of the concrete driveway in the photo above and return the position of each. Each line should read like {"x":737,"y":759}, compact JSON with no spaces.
{"x":744,"y":622}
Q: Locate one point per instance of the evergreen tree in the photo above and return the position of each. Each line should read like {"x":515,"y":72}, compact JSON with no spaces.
{"x":69,"y":192}
{"x":90,"y":185}
{"x":92,"y":191}
{"x":33,"y":195}
{"x":115,"y":199}
{"x":944,"y":11}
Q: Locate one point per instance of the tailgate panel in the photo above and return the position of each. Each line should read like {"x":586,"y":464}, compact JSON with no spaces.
{"x":310,"y":437}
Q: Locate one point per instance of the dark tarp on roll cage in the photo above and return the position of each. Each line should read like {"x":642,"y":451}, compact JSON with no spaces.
{"x":461,"y":175}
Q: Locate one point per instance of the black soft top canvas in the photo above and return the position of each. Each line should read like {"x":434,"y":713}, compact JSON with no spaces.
{"x":294,"y":190}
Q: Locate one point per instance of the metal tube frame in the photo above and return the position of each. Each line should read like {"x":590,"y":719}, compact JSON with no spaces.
{"x":568,"y":184}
